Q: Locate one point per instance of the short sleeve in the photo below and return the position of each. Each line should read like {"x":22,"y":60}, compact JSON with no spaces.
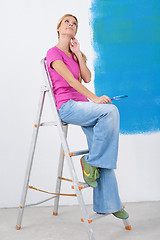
{"x":52,"y":55}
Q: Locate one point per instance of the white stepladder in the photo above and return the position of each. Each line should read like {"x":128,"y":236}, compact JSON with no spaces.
{"x":64,"y":152}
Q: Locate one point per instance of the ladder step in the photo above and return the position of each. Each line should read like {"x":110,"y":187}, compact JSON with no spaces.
{"x":54,"y":123}
{"x":76,"y":153}
{"x":95,"y":217}
{"x":48,"y":123}
{"x":82,"y":186}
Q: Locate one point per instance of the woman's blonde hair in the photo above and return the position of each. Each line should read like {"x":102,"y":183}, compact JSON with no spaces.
{"x":59,"y":24}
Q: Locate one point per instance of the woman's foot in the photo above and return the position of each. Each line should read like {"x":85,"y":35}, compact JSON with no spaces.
{"x":122,"y":214}
{"x":90,"y":173}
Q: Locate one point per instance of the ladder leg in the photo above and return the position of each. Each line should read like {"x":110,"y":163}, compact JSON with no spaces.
{"x":59,"y":175}
{"x":75,"y":180}
{"x":70,"y":164}
{"x":80,"y":199}
{"x":30,"y":159}
{"x":127,"y":224}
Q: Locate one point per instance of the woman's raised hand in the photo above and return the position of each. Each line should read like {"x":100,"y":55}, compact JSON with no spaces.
{"x":103,"y":99}
{"x":75,"y":46}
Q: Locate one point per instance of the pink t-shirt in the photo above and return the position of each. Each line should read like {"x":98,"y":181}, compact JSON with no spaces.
{"x":63,"y":92}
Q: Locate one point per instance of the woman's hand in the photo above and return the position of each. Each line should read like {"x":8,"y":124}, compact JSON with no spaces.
{"x":103,"y":99}
{"x":75,"y":46}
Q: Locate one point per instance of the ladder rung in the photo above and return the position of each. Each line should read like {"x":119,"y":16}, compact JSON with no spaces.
{"x":76,"y":153}
{"x":82,"y":186}
{"x":95,"y":217}
{"x":54,"y":123}
{"x":48,"y":123}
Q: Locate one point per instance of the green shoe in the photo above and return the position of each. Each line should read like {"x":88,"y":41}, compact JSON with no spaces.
{"x":121,"y":214}
{"x":90,"y":173}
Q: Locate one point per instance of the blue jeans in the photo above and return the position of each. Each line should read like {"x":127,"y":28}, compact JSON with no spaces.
{"x":100,"y":123}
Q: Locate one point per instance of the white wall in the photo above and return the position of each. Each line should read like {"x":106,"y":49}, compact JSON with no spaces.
{"x":28,"y":30}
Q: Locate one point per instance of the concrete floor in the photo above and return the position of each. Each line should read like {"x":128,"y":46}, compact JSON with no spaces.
{"x":40,"y":224}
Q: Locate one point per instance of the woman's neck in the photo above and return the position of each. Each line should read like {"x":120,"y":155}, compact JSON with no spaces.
{"x":64,"y":44}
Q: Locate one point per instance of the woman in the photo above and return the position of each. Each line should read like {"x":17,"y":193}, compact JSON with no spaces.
{"x":98,"y":118}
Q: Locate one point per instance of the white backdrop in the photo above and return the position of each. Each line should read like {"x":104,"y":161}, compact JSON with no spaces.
{"x":28,"y":30}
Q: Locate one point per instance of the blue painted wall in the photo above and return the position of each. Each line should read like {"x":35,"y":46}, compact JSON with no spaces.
{"x":126,"y":40}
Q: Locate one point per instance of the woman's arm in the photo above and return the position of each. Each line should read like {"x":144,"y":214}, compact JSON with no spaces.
{"x":62,"y":69}
{"x":85,"y":72}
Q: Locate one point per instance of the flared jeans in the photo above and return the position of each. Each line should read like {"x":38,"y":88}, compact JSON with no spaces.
{"x":100,"y":123}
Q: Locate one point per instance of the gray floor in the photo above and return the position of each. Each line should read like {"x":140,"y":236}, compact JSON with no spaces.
{"x":40,"y":224}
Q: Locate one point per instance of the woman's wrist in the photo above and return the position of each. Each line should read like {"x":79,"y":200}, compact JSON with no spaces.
{"x":93,"y":98}
{"x":78,"y":54}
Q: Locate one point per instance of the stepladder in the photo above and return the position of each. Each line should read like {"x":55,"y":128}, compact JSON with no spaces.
{"x":65,"y":155}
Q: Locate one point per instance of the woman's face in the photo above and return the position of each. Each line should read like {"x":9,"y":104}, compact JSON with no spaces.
{"x":68,"y":26}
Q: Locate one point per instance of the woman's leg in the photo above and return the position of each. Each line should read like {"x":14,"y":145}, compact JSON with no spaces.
{"x":103,"y":119}
{"x":105,"y":196}
{"x":100,"y":123}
